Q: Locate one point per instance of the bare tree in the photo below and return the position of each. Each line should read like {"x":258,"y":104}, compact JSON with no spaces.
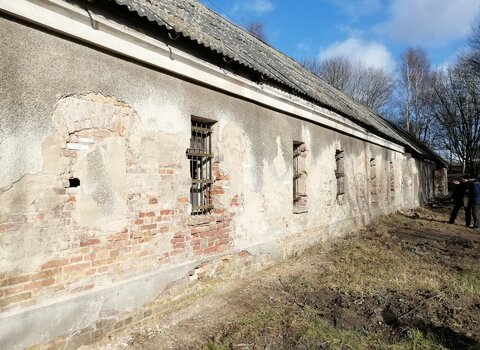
{"x":456,"y":106}
{"x":336,"y":71}
{"x":473,"y":55}
{"x":413,"y":94}
{"x":371,"y":86}
{"x":257,"y":29}
{"x":368,"y":85}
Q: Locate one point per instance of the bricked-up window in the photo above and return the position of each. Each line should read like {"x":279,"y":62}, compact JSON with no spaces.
{"x":299,"y":177}
{"x":201,"y":157}
{"x":340,"y":172}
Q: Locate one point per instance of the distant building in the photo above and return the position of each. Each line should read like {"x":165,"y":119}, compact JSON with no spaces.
{"x":149,"y":145}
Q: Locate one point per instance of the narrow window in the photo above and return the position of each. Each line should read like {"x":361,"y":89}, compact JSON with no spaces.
{"x":299,"y":177}
{"x":373,"y":181}
{"x":340,"y":172}
{"x":200,"y":156}
{"x":392,"y":177}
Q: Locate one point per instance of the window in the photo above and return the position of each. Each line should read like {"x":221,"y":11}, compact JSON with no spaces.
{"x":373,"y":181}
{"x":340,"y":172}
{"x":200,"y":156}
{"x":392,"y":177}
{"x":299,"y":177}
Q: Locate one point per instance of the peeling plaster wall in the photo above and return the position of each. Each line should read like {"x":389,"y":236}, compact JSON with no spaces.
{"x":70,"y":111}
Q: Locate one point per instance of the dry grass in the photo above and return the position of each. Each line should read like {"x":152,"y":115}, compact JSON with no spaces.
{"x":435,"y":284}
{"x":408,"y":281}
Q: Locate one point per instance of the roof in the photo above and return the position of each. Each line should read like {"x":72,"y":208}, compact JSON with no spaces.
{"x":203,"y":26}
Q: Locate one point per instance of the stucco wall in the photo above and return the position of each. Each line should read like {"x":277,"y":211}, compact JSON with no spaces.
{"x":125,"y":235}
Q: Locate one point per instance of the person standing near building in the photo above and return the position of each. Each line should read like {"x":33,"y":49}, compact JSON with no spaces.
{"x":474,"y":201}
{"x":458,"y":197}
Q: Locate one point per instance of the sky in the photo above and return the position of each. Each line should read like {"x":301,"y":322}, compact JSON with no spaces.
{"x":375,"y":32}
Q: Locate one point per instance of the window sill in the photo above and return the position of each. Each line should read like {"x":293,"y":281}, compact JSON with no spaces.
{"x":300,"y":209}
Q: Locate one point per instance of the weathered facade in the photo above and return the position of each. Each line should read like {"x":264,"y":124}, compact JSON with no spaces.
{"x":116,"y":125}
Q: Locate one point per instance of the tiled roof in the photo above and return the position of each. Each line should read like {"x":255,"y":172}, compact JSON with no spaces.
{"x":203,"y":26}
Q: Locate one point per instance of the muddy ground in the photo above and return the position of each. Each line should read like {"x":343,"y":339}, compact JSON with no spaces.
{"x":408,"y":281}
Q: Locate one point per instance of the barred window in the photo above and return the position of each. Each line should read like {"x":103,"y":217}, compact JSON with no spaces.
{"x":200,"y":156}
{"x":392,"y":177}
{"x":340,"y":172}
{"x":299,"y":176}
{"x":373,"y":181}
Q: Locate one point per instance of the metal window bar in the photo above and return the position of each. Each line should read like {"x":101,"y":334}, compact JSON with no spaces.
{"x":200,"y":157}
{"x":296,"y":175}
{"x":392,"y":177}
{"x":340,"y":171}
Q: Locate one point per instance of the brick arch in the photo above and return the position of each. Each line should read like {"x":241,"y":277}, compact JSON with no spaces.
{"x":93,"y":128}
{"x":74,"y":113}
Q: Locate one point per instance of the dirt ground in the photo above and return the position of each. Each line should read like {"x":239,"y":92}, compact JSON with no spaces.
{"x":408,"y":281}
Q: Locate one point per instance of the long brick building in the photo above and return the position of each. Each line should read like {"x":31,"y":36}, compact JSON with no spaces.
{"x":146,"y":146}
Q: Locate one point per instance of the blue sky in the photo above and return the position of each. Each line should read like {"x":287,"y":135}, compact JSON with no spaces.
{"x":372,"y":31}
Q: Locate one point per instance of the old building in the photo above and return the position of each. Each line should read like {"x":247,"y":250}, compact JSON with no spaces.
{"x":148,"y":145}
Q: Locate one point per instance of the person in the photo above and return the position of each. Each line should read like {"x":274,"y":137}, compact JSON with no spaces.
{"x":458,"y":197}
{"x":474,"y":201}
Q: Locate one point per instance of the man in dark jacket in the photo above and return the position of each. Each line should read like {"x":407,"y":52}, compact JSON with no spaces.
{"x":474,"y":201}
{"x":458,"y":197}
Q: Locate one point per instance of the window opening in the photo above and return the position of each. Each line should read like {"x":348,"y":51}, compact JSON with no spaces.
{"x":200,"y":157}
{"x":392,"y":177}
{"x":373,"y":181}
{"x":340,"y":171}
{"x":299,"y":175}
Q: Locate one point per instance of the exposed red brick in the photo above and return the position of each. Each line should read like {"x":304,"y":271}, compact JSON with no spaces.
{"x":77,"y":267}
{"x":89,"y":241}
{"x":42,"y":275}
{"x":152,"y":201}
{"x":13,"y":290}
{"x":48,"y":282}
{"x":76,"y":259}
{"x":224,"y":241}
{"x":18,"y":279}
{"x":118,"y":236}
{"x":178,"y":245}
{"x":102,"y":262}
{"x":54,"y":263}
{"x":210,"y":249}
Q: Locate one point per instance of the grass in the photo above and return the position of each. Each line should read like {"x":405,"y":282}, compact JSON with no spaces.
{"x":370,"y":267}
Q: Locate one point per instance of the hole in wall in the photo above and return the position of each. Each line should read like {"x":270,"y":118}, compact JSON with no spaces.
{"x":73,"y":182}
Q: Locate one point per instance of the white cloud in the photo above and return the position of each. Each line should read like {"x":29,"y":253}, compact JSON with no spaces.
{"x":258,"y":7}
{"x":431,"y":22}
{"x":369,"y":53}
